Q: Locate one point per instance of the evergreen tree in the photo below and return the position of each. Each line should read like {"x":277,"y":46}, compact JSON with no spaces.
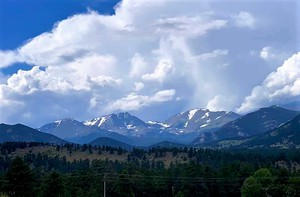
{"x":54,"y":186}
{"x":20,"y":179}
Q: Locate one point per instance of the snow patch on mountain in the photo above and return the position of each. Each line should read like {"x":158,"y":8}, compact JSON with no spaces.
{"x":91,"y":122}
{"x":186,"y":124}
{"x":158,"y":123}
{"x":192,"y":113}
{"x":103,"y":119}
{"x":58,"y":122}
{"x":204,"y":125}
{"x":95,"y":121}
{"x":130,"y":126}
{"x":205,"y":115}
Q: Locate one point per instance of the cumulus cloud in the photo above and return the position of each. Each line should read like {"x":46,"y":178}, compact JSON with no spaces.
{"x":104,"y":60}
{"x":280,"y":85}
{"x":221,"y":103}
{"x":138,"y":86}
{"x":187,"y":26}
{"x":245,"y":19}
{"x":162,"y":70}
{"x":134,"y":101}
{"x":138,"y":57}
{"x":138,"y":66}
{"x":162,"y":96}
{"x":9,"y":57}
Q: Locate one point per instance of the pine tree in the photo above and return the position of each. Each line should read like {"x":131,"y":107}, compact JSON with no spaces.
{"x":54,"y":185}
{"x":20,"y":179}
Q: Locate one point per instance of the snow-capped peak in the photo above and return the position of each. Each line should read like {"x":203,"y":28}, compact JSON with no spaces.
{"x":103,"y":119}
{"x":95,"y":121}
{"x":192,"y":113}
{"x":65,"y":120}
{"x":58,"y":122}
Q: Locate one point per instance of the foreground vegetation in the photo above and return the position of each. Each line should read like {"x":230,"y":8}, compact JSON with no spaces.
{"x":35,"y":169}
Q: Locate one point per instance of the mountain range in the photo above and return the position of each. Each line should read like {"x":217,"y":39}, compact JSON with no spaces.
{"x":180,"y":128}
{"x":196,"y":127}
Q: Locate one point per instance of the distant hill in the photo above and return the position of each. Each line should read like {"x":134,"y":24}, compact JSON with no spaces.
{"x":251,"y":124}
{"x":285,"y":136}
{"x":94,"y":135}
{"x":19,"y":132}
{"x":106,"y":141}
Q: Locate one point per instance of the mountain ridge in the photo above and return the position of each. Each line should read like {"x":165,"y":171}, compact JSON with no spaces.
{"x":20,"y":132}
{"x":254,"y":123}
{"x":285,"y":136}
{"x":182,"y":128}
{"x":132,"y":127}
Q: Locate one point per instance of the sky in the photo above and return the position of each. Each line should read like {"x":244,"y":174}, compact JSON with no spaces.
{"x":152,"y":58}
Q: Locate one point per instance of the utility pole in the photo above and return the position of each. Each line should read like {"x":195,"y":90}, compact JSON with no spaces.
{"x":104,"y":186}
{"x":173,"y":190}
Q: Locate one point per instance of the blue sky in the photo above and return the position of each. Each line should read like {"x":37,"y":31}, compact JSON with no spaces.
{"x":87,"y":58}
{"x":23,"y":20}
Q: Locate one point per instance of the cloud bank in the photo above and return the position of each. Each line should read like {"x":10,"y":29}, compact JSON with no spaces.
{"x":92,"y":63}
{"x":148,"y":54}
{"x":282,"y":85}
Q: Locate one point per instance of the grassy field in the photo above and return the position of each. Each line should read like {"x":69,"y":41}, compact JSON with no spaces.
{"x":70,"y":156}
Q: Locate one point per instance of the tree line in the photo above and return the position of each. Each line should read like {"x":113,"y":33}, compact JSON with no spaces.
{"x":204,"y":172}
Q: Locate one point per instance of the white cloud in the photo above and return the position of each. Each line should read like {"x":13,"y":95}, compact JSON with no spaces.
{"x":89,"y":61}
{"x":138,"y":66}
{"x":161,"y":72}
{"x":280,"y":85}
{"x":138,"y":86}
{"x":272,"y":56}
{"x":245,"y":19}
{"x":103,"y":60}
{"x":104,"y":81}
{"x":134,"y":101}
{"x":162,"y":96}
{"x":28,"y":82}
{"x":266,"y":53}
{"x":8,"y":57}
{"x":187,"y":26}
{"x":214,"y":54}
{"x":221,"y":103}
